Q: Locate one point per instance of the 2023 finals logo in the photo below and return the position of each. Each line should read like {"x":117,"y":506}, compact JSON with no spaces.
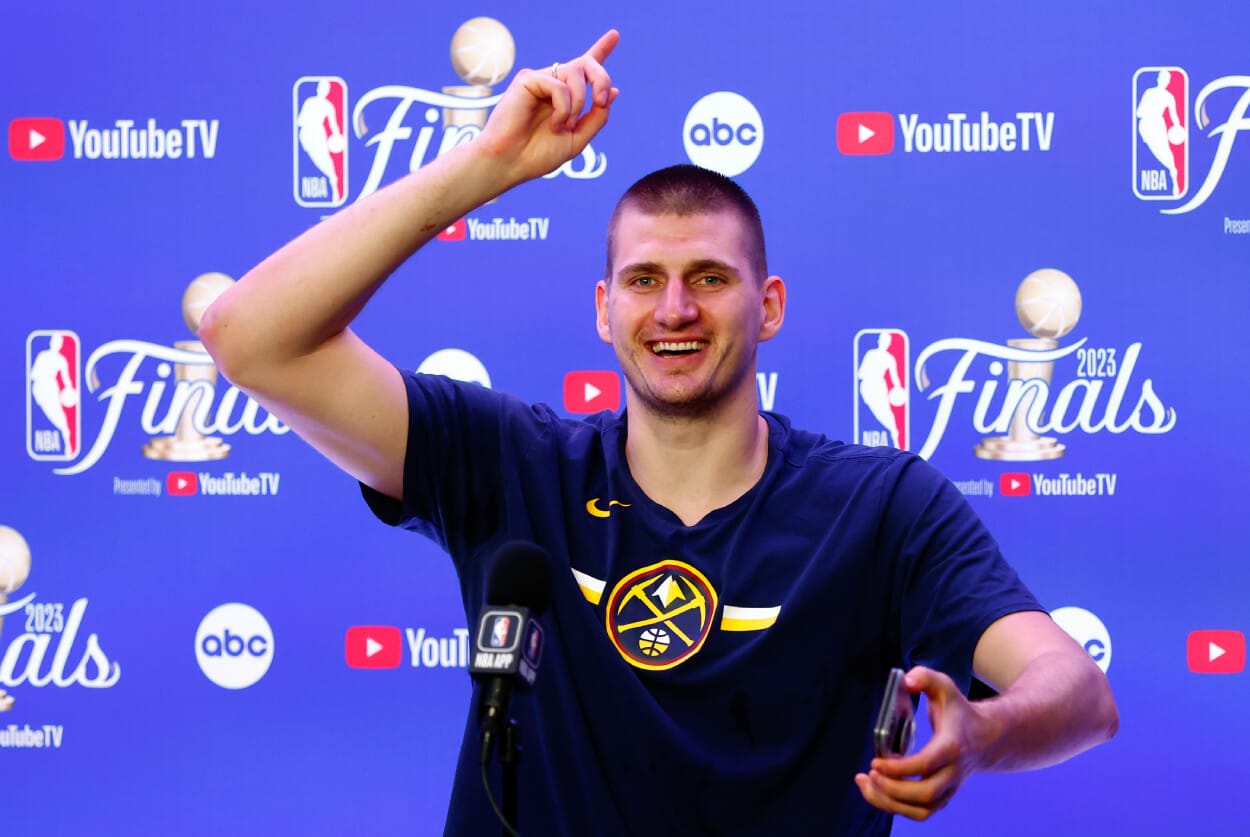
{"x":1025,"y":398}
{"x":42,"y":646}
{"x":425,"y":123}
{"x":186,"y":413}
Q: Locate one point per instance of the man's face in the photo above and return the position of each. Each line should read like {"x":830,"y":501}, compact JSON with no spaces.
{"x":685,"y":312}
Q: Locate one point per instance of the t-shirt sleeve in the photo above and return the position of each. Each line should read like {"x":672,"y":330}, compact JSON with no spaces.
{"x":460,"y":437}
{"x":953,"y":581}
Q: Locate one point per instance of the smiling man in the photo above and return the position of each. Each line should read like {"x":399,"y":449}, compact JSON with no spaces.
{"x":730,"y":592}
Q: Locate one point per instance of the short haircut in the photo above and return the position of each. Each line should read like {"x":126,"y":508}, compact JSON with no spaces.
{"x":691,"y":190}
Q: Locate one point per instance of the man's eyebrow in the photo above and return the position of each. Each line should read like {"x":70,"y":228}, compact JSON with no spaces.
{"x":640,"y":267}
{"x":714,"y":265}
{"x":700,"y":266}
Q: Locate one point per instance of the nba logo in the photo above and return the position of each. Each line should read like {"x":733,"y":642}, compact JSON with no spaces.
{"x":320,"y":141}
{"x":882,"y":395}
{"x":53,"y":395}
{"x":500,"y":631}
{"x":534,"y":643}
{"x":1160,"y":133}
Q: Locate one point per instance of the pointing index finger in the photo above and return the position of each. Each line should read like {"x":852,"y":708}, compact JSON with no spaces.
{"x":603,"y":47}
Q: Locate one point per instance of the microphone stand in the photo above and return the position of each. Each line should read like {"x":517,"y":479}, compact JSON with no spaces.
{"x":509,"y":756}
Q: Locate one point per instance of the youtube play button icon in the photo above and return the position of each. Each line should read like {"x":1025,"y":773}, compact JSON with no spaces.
{"x":181,"y":483}
{"x":591,"y":390}
{"x":1015,"y":484}
{"x":36,"y":139}
{"x":1216,"y":652}
{"x":865,"y":133}
{"x":373,"y":646}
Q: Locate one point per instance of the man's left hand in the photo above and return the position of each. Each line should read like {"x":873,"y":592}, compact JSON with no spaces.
{"x":919,"y":785}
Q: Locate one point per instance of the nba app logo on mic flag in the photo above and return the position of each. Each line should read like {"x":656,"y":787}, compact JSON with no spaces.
{"x":882,"y":392}
{"x":501,"y":631}
{"x":53,"y":395}
{"x":1160,"y":133}
{"x":321,"y":122}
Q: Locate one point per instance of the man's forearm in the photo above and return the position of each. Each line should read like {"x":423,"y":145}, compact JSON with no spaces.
{"x":311,"y":289}
{"x":1060,"y":705}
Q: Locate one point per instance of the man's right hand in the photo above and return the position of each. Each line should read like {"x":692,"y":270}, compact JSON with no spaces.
{"x":281,"y":334}
{"x":539,"y":124}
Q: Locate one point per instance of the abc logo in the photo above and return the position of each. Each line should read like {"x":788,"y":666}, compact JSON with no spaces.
{"x":234,"y":646}
{"x":1088,"y":631}
{"x":456,"y":364}
{"x":724,"y":133}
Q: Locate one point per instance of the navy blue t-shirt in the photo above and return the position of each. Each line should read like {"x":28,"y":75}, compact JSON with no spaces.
{"x":715,"y":679}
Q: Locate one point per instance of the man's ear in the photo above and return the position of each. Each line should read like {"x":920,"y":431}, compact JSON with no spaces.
{"x":774,"y":307}
{"x":601,"y":311}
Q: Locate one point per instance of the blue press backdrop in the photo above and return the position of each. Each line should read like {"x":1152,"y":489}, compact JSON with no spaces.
{"x":98,"y":645}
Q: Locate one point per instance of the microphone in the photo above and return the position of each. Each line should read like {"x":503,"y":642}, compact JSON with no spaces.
{"x":509,"y":640}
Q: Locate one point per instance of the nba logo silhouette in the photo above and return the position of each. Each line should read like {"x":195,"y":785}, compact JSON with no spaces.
{"x":500,"y":632}
{"x":882,"y":394}
{"x":1160,"y":133}
{"x":53,"y":395}
{"x":320,"y":141}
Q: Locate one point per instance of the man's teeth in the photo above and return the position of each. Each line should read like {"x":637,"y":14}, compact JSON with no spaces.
{"x":688,"y":346}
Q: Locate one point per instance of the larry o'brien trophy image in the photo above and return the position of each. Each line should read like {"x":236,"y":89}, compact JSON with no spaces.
{"x":14,"y":570}
{"x":188,"y":444}
{"x":1048,"y":304}
{"x":482,"y":53}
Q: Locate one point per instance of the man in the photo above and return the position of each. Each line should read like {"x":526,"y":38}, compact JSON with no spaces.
{"x":729,"y":593}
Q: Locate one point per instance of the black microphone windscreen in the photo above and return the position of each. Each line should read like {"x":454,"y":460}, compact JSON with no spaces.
{"x":520,"y":575}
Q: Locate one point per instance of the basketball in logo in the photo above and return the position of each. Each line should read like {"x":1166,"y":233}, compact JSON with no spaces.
{"x":659,"y":616}
{"x":653,"y":642}
{"x":1048,"y":303}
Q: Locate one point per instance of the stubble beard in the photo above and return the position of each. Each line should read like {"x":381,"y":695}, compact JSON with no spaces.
{"x":704,"y":401}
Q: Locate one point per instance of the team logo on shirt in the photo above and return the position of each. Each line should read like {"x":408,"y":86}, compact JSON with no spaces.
{"x":597,"y":508}
{"x":659,"y":616}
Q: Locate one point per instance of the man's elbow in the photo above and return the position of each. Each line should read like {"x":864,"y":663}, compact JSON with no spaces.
{"x":222,"y":342}
{"x":1108,"y":712}
{"x":1102,"y":716}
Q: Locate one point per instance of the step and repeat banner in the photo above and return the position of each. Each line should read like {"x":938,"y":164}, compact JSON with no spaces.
{"x":1016,"y":241}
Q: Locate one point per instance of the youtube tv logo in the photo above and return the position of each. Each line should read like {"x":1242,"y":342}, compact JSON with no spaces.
{"x":1216,"y":652}
{"x":1015,"y":484}
{"x":866,"y":133}
{"x":373,"y":646}
{"x":589,"y":391}
{"x":456,"y":232}
{"x":181,"y":483}
{"x":36,"y":139}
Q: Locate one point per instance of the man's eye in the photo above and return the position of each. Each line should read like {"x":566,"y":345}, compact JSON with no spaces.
{"x":711,"y":279}
{"x":645,"y":281}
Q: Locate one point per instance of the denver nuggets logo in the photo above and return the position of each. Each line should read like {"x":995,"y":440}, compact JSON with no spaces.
{"x":659,"y":616}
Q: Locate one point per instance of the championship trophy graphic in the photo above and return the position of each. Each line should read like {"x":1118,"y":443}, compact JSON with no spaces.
{"x":1048,"y":304}
{"x":482,"y":53}
{"x":14,"y":570}
{"x":188,"y":444}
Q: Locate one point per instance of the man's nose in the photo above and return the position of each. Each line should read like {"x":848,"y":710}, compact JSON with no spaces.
{"x":676,"y":304}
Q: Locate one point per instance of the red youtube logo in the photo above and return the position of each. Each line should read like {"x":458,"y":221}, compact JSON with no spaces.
{"x":1015,"y":484}
{"x":373,"y":646}
{"x":456,"y":232}
{"x":181,"y":483}
{"x":1216,"y":652}
{"x":590,"y":391}
{"x":36,"y":138}
{"x":866,"y":132}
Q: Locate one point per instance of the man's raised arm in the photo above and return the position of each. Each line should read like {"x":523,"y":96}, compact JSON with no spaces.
{"x":281,"y":333}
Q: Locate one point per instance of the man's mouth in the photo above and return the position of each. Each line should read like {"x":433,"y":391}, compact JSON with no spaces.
{"x":670,"y":348}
